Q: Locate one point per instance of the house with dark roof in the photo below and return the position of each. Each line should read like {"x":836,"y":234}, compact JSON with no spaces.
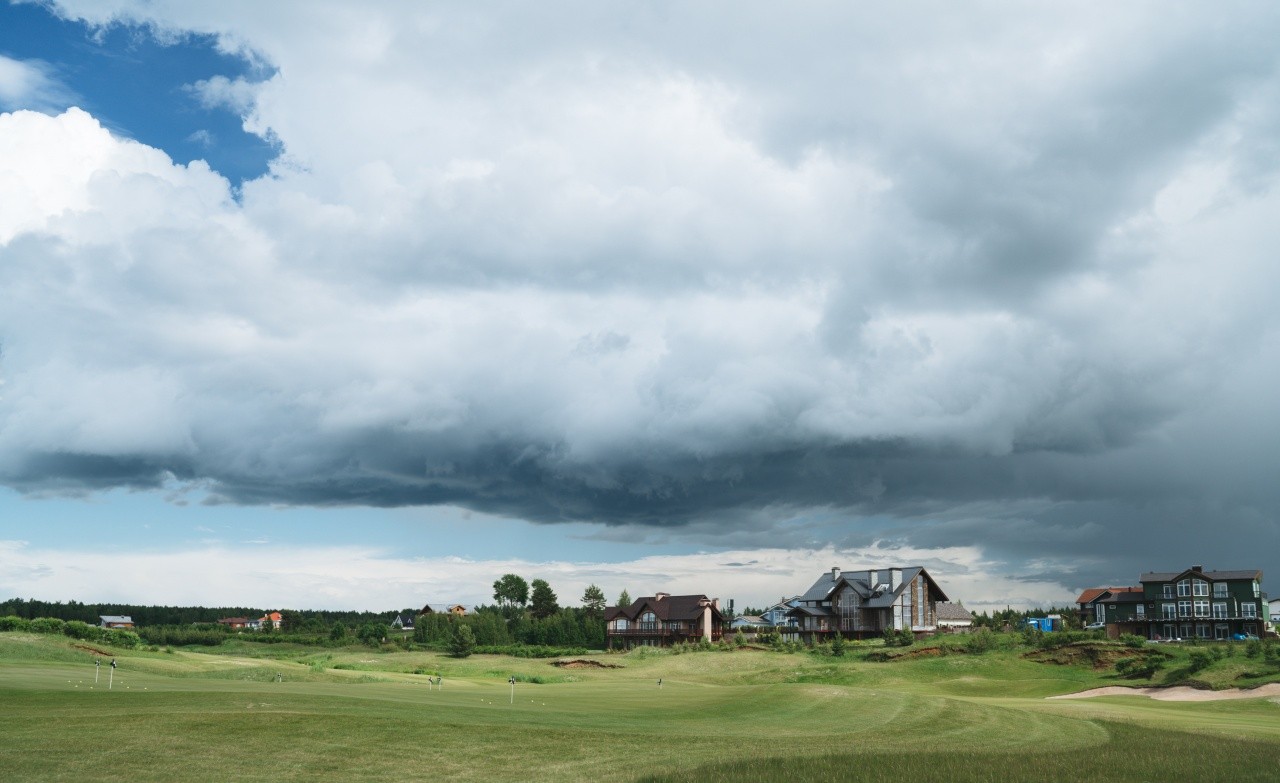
{"x":662,"y":619}
{"x":403,"y":622}
{"x":953,"y":617}
{"x":1189,"y":604}
{"x":749,"y":622}
{"x":865,"y":604}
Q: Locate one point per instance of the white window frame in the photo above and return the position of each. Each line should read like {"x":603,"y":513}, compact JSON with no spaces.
{"x":1220,"y":590}
{"x":1199,"y":588}
{"x":1184,"y":609}
{"x":1220,"y":610}
{"x":1184,"y":588}
{"x":1169,"y":610}
{"x":1249,"y":610}
{"x":1166,"y":591}
{"x":1202,"y":630}
{"x":1201,"y":608}
{"x":1141,"y":610}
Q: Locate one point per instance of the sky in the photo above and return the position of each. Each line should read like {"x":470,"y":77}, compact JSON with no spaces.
{"x":311,"y":305}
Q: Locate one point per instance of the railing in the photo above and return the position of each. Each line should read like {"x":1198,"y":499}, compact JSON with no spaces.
{"x":688,"y":633}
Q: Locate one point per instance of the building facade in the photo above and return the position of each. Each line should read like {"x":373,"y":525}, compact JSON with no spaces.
{"x":662,"y":619}
{"x":1190,"y":604}
{"x":865,"y":604}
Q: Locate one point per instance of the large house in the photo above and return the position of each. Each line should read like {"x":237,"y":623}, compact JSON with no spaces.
{"x":865,"y":604}
{"x":1194,"y":603}
{"x":662,"y":619}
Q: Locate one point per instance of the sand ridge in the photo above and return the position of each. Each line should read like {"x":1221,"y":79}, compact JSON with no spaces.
{"x":1179,"y":693}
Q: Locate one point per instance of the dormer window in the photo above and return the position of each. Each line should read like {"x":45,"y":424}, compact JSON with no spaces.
{"x":1199,"y":587}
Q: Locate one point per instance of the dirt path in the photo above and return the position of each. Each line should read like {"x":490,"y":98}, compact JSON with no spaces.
{"x":1179,"y":693}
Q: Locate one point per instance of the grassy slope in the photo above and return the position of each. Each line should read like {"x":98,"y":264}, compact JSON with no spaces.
{"x":192,"y":715}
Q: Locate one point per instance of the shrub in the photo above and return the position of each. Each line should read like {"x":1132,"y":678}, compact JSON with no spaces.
{"x":1253,"y":648}
{"x":464,"y":641}
{"x":1132,"y":640}
{"x":739,"y":639}
{"x":47,"y":625}
{"x":1139,"y":667}
{"x":1199,"y":660}
{"x":980,"y":641}
{"x":14,"y":623}
{"x":838,"y":646}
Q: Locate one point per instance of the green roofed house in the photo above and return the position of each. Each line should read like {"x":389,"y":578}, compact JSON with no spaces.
{"x":1190,"y":604}
{"x":864,"y":604}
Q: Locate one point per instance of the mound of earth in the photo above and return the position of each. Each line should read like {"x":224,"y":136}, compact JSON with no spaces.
{"x":584,"y":663}
{"x":93,"y":650}
{"x":1095,"y":654}
{"x":1179,"y":693}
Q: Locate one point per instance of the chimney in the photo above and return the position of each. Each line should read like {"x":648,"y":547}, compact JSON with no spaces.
{"x":872,"y":577}
{"x":895,"y":578}
{"x":1198,"y":569}
{"x":835,"y":574}
{"x":715,"y":603}
{"x":660,"y":596}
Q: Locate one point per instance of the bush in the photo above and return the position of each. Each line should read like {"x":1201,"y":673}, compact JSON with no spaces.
{"x":838,"y":646}
{"x":1139,"y":667}
{"x":464,"y":641}
{"x":980,"y":641}
{"x":1132,"y":640}
{"x":1253,"y":648}
{"x":1198,"y":660}
{"x":47,"y":625}
{"x":14,"y":623}
{"x":739,"y":639}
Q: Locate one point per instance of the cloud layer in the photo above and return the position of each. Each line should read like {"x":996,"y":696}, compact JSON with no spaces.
{"x":961,"y":279}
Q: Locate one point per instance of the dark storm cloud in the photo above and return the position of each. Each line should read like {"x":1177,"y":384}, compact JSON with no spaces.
{"x":903,"y":276}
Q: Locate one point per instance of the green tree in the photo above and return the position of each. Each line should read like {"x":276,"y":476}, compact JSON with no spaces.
{"x":593,"y":599}
{"x":338,"y":632}
{"x":624,"y":599}
{"x":511,"y":590}
{"x":543,"y":602}
{"x":837,"y":645}
{"x":463,"y":642}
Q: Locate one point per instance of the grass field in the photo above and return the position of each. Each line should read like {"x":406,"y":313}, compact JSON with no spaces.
{"x":358,"y":714}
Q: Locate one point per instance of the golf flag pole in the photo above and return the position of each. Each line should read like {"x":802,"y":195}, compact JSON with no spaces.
{"x":513,"y":688}
{"x":97,"y":667}
{"x":111,"y":675}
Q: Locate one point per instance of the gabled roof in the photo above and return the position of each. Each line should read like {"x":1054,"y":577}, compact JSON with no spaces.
{"x":115,"y":618}
{"x":669,"y":607}
{"x":953,"y":612}
{"x":1093,"y":593}
{"x":860,"y":582}
{"x":1212,"y":576}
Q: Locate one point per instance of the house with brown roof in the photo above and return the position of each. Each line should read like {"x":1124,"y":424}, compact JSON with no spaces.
{"x":115,"y":621}
{"x":865,"y":604}
{"x":662,"y":619}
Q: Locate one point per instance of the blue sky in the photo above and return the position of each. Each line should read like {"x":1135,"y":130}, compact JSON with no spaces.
{"x":138,"y":86}
{"x":311,"y":304}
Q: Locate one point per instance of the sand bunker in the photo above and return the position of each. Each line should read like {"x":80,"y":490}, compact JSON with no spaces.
{"x":1179,"y":693}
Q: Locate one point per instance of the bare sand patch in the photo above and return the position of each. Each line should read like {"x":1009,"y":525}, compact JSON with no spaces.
{"x":1179,"y":693}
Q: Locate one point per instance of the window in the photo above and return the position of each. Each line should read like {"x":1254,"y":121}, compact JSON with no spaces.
{"x":1170,"y":631}
{"x":1184,"y":588}
{"x":1199,"y":587}
{"x":1184,"y":608}
{"x":1100,"y":613}
{"x":1168,"y":591}
{"x":1170,"y":610}
{"x":648,"y":622}
{"x":1220,"y":610}
{"x":1256,"y":593}
{"x":1142,"y":611}
{"x":1202,"y":630}
{"x":1202,"y":608}
{"x":1219,"y":589}
{"x":1251,"y":629}
{"x":619,"y":624}
{"x":1186,"y":630}
{"x":1249,"y":610}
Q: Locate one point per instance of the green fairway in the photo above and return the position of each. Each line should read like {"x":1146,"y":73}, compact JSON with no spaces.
{"x":357,"y":714}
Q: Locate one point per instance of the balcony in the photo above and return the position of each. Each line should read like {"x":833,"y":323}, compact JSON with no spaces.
{"x":678,"y":634}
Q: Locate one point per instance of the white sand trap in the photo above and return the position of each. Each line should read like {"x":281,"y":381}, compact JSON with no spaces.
{"x":1179,"y":693}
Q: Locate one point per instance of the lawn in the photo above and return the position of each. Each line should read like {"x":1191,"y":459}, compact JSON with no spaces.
{"x":360,"y":714}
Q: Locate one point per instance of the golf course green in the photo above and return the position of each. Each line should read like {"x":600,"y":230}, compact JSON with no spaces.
{"x":279,"y":712}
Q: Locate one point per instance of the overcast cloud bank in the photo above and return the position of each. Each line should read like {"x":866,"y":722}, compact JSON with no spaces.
{"x":1002,"y":280}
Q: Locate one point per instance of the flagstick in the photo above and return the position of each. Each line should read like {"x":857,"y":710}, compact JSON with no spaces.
{"x":111,"y":676}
